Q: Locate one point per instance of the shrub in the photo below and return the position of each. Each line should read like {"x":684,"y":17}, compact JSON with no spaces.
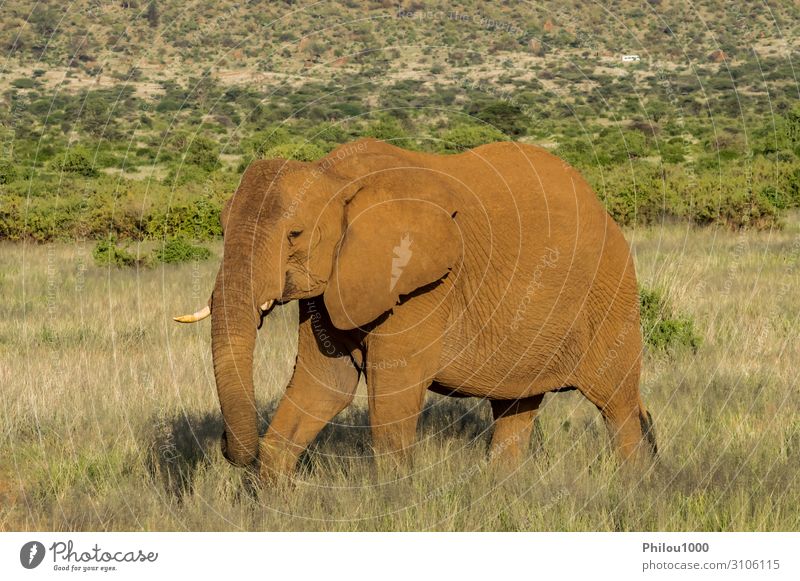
{"x":662,"y":329}
{"x":732,"y":200}
{"x":465,"y":136}
{"x":204,"y":153}
{"x":388,"y":129}
{"x":195,"y":219}
{"x":638,"y":192}
{"x":578,"y":151}
{"x":77,"y":161}
{"x":24,"y":83}
{"x":673,"y":151}
{"x":178,"y":250}
{"x":260,"y":142}
{"x":185,"y":173}
{"x":619,"y":145}
{"x":8,"y":172}
{"x":792,"y":181}
{"x":300,"y":151}
{"x":506,"y":117}
{"x":107,"y":253}
{"x":332,"y":134}
{"x":742,"y":212}
{"x":752,"y":196}
{"x":772,"y":195}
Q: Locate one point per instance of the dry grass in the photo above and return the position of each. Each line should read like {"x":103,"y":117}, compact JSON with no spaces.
{"x":110,"y":420}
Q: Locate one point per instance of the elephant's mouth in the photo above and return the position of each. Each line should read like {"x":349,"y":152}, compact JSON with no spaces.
{"x":265,"y":309}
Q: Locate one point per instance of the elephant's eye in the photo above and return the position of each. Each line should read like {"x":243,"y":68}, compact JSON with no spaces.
{"x":294,"y":234}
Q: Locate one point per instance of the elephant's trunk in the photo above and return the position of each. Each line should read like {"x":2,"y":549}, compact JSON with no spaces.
{"x":233,"y":333}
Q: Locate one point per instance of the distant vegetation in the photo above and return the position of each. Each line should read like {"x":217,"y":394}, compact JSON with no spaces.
{"x":135,"y":121}
{"x":110,"y":252}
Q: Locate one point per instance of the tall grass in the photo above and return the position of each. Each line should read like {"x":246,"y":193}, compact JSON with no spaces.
{"x":109,"y":418}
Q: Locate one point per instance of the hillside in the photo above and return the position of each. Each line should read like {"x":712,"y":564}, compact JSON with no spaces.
{"x":181,"y":95}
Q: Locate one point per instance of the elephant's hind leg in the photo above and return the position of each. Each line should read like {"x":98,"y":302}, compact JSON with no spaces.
{"x":513,"y":423}
{"x":648,"y":429}
{"x":619,"y":402}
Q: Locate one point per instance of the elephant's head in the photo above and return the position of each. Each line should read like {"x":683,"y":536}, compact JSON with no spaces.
{"x":298,"y":230}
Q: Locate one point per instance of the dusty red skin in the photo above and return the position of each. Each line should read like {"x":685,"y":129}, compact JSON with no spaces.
{"x":495,"y":273}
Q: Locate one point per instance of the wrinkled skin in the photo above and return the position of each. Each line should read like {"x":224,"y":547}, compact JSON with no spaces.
{"x":495,"y":273}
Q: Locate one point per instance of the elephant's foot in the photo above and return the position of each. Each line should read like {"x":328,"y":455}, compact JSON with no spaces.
{"x":277,"y":462}
{"x":634,"y":436}
{"x":391,"y":466}
{"x":393,"y":420}
{"x":393,"y":442}
{"x":513,"y":423}
{"x":631,"y":431}
{"x":649,"y":431}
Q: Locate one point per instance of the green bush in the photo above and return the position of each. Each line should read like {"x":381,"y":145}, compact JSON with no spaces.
{"x":741,"y":196}
{"x":506,"y":117}
{"x":24,"y":83}
{"x":297,"y":150}
{"x":107,"y":253}
{"x":662,"y":329}
{"x":388,"y":129}
{"x":77,"y":161}
{"x":185,"y":173}
{"x":739,"y":211}
{"x":634,"y":193}
{"x":465,"y":136}
{"x":752,"y":196}
{"x":127,"y":209}
{"x":204,"y":153}
{"x":257,"y":145}
{"x":194,"y":219}
{"x":8,"y":171}
{"x":619,"y":145}
{"x":673,"y":151}
{"x":332,"y":134}
{"x":178,"y":250}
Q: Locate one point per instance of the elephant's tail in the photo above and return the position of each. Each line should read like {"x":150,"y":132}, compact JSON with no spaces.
{"x":648,"y":428}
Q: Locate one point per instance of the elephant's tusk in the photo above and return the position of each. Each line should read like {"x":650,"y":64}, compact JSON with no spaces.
{"x":198,"y":316}
{"x":267,"y":306}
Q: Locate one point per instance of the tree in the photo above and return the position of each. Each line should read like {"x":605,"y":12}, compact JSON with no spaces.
{"x":95,"y":116}
{"x":388,"y":129}
{"x":466,"y":136}
{"x":152,"y":14}
{"x":204,"y":153}
{"x":8,"y":173}
{"x":793,"y":126}
{"x":78,"y":161}
{"x":506,"y":117}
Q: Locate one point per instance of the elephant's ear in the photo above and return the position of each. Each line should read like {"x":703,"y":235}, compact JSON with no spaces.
{"x":392,"y":245}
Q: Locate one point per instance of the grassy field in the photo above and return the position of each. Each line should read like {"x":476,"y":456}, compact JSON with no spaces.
{"x":109,"y":418}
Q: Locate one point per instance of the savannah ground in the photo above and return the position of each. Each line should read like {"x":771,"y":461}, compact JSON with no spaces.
{"x":110,"y":419}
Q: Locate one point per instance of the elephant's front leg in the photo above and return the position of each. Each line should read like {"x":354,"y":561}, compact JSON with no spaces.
{"x":323,"y":384}
{"x":395,"y":402}
{"x":402,"y":361}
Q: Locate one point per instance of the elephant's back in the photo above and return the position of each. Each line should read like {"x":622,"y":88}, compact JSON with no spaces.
{"x":541,"y":257}
{"x":524,"y":202}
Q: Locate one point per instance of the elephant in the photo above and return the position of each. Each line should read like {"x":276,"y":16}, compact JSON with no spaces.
{"x":493,"y":273}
